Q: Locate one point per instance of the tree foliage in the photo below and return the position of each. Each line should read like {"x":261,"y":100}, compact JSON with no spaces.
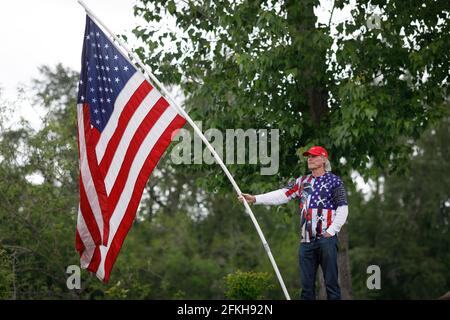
{"x":248,"y":285}
{"x":174,"y":250}
{"x":404,"y":228}
{"x":252,"y":64}
{"x":177,"y":251}
{"x":366,"y":93}
{"x":267,"y":63}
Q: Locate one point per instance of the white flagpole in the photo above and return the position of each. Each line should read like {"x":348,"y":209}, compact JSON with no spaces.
{"x":199,"y":132}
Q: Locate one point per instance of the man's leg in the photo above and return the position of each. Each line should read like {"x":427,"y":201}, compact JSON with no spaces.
{"x":329,"y":265}
{"x":308,"y":269}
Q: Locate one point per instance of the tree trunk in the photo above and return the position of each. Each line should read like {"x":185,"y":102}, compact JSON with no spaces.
{"x":345,"y":280}
{"x":322,"y":292}
{"x":301,"y":18}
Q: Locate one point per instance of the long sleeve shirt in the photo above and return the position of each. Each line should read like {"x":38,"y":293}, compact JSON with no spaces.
{"x":323,"y":204}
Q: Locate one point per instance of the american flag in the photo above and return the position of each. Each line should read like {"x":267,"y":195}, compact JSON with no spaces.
{"x":124,"y":127}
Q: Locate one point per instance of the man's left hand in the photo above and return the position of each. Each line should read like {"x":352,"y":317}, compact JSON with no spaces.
{"x":327,"y":235}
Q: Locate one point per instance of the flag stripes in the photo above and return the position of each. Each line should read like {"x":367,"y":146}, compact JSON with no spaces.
{"x":124,"y":127}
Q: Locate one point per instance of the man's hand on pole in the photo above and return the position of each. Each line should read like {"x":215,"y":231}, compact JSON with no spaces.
{"x":248,"y":197}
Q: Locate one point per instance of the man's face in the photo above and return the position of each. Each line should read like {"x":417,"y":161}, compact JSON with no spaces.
{"x":315,"y":162}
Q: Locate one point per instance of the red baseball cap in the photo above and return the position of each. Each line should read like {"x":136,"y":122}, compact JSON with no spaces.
{"x":316,"y":151}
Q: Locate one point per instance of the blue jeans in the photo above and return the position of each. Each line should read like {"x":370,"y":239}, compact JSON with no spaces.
{"x":321,"y":252}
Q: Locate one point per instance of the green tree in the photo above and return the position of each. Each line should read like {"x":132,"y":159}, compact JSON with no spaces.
{"x":175,"y":249}
{"x":258,"y":64}
{"x":271,"y":64}
{"x":39,"y":190}
{"x":404,"y":228}
{"x":6,"y":276}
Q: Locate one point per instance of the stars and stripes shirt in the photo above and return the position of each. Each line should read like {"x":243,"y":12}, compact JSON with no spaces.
{"x":323,"y":204}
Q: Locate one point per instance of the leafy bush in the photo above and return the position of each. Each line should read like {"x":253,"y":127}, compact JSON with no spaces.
{"x":6,"y":275}
{"x":248,"y":285}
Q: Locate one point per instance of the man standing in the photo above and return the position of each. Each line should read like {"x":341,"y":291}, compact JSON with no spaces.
{"x":323,"y":211}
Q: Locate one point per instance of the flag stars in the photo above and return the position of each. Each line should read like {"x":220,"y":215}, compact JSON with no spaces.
{"x":116,"y":69}
{"x":101,"y":100}
{"x":116,"y":80}
{"x":103,"y":111}
{"x":82,"y":98}
{"x":94,"y":100}
{"x":98,"y":121}
{"x":92,"y":90}
{"x":125,"y":68}
{"x":108,"y":100}
{"x":95,"y":111}
{"x":116,"y":57}
{"x":106,"y":46}
{"x":97,"y":34}
{"x":106,"y":57}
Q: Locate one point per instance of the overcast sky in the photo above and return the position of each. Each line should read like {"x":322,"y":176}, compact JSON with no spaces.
{"x":38,"y":32}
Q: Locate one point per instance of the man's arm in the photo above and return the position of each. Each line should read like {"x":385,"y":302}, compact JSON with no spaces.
{"x":340,"y":200}
{"x":339,"y":220}
{"x":273,"y":198}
